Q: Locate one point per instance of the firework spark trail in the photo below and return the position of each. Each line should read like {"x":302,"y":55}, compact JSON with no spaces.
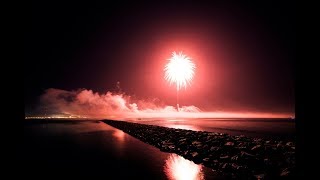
{"x":179,"y":70}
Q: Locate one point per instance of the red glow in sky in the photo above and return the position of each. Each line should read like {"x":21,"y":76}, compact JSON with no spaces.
{"x":243,"y":61}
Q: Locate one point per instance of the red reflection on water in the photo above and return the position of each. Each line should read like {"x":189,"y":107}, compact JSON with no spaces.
{"x":180,"y":126}
{"x":119,"y":135}
{"x":178,"y":168}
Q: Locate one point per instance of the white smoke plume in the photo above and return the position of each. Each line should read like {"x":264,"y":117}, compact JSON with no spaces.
{"x":86,"y":103}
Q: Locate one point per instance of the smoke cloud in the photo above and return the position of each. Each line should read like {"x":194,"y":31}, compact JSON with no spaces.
{"x":85,"y":103}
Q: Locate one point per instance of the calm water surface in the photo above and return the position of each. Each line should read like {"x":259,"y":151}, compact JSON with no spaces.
{"x":281,"y":128}
{"x":91,"y":149}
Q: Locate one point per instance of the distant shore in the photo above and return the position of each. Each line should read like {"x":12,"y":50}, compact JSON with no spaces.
{"x":233,"y":156}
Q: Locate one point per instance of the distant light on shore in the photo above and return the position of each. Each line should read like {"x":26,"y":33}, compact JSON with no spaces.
{"x":56,"y":117}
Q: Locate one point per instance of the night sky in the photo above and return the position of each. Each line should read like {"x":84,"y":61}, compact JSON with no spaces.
{"x":244,"y":51}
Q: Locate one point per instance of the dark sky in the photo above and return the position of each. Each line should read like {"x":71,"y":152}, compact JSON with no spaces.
{"x":243,"y":51}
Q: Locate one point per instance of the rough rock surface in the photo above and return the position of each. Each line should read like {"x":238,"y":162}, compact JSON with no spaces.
{"x":233,"y":156}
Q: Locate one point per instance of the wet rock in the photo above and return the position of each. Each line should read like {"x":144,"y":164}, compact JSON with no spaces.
{"x":285,"y":172}
{"x":196,"y":143}
{"x":215,"y":148}
{"x":194,"y":154}
{"x":291,"y":160}
{"x":235,"y":166}
{"x":289,"y":153}
{"x":235,"y":158}
{"x":246,"y":155}
{"x":242,"y":148}
{"x":206,"y":159}
{"x":229,"y":144}
{"x":205,"y":146}
{"x":225,"y":165}
{"x":213,"y":134}
{"x":257,"y":140}
{"x":214,"y":143}
{"x":267,"y":162}
{"x":167,"y":143}
{"x":186,"y":153}
{"x":224,"y":157}
{"x":289,"y":144}
{"x":242,"y":144}
{"x":256,"y":148}
{"x":279,"y":145}
{"x":260,"y":176}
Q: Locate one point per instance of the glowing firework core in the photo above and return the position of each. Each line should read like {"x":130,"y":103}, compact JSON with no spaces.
{"x":179,"y":70}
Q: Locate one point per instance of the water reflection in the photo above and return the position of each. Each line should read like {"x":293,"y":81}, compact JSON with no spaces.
{"x":178,"y":168}
{"x":175,"y":120}
{"x":119,"y":135}
{"x":180,"y":126}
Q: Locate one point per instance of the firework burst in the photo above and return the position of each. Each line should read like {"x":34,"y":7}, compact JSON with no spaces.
{"x":179,"y":70}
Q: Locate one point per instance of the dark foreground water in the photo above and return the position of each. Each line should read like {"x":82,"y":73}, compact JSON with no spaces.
{"x":269,"y":128}
{"x":95,"y":149}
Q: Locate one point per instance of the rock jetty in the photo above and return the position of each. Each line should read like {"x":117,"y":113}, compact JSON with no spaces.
{"x":237,"y":157}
